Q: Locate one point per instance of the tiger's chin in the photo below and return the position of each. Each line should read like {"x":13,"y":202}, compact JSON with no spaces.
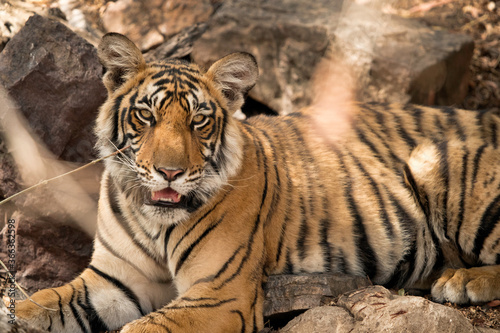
{"x":167,"y":206}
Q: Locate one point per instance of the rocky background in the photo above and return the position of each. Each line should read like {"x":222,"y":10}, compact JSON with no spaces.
{"x":439,"y":52}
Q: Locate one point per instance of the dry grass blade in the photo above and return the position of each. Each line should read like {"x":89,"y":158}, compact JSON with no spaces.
{"x":63,"y":175}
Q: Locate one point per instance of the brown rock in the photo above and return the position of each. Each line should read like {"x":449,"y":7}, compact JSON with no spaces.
{"x":55,"y":78}
{"x":149,"y":23}
{"x":331,"y":319}
{"x":375,"y":309}
{"x":47,"y":254}
{"x":390,"y":56}
{"x":287,"y":293}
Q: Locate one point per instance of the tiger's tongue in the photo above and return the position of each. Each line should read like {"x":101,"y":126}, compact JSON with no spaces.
{"x":167,"y":194}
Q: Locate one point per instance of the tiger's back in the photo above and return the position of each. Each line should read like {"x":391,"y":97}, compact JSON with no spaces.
{"x":407,"y":192}
{"x":199,"y":208}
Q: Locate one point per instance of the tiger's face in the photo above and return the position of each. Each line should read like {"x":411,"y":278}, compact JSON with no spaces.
{"x":177,"y":121}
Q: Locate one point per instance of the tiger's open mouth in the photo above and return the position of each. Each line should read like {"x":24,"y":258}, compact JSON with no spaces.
{"x":166,"y":197}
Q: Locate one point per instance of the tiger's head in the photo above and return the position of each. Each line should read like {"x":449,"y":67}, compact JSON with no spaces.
{"x":184,"y":144}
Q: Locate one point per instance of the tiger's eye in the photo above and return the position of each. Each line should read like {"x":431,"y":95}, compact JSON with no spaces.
{"x":198,"y":118}
{"x":146,"y":114}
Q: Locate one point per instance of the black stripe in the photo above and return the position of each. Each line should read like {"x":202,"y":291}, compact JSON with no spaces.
{"x":493,"y":128}
{"x":303,"y":232}
{"x":127,"y":291}
{"x":371,"y":146}
{"x":410,"y":142}
{"x":339,"y":258}
{"x":229,"y":261}
{"x":477,"y":159}
{"x":396,"y":160}
{"x":61,"y":312}
{"x":420,"y":196}
{"x":489,"y":221}
{"x":166,"y":239}
{"x":443,"y":166}
{"x":240,"y":314}
{"x":406,"y":266}
{"x":116,"y":111}
{"x":324,"y":226}
{"x":185,"y":254}
{"x":461,"y":206}
{"x":95,"y":321}
{"x":75,"y":312}
{"x":289,"y":269}
{"x":453,"y":121}
{"x":363,"y":247}
{"x":108,"y":247}
{"x":196,"y":224}
{"x":381,"y":204}
{"x":416,"y":113}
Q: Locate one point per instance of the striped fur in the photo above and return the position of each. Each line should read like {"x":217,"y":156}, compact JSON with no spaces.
{"x":407,"y":197}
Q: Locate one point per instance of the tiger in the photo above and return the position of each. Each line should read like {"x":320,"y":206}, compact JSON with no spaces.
{"x":198,"y":209}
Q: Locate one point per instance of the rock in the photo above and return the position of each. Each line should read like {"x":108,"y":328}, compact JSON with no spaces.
{"x":390,"y":56}
{"x":149,"y":23}
{"x":375,"y":309}
{"x":55,"y":78}
{"x":47,"y":254}
{"x":9,"y":175}
{"x":12,"y":19}
{"x":287,"y":293}
{"x":178,"y":46}
{"x":322,"y":319}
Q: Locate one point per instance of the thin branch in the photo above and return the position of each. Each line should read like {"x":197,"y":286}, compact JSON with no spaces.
{"x":22,"y":290}
{"x":44,"y":182}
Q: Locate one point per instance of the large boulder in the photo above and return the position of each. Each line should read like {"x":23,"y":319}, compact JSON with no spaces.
{"x":393,"y":59}
{"x":376,"y":309}
{"x":55,"y":77}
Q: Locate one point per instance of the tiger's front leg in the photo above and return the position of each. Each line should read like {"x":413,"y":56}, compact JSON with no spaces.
{"x":95,"y":301}
{"x":201,"y":310}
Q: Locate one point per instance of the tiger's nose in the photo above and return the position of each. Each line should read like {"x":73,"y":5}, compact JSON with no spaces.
{"x":170,"y":174}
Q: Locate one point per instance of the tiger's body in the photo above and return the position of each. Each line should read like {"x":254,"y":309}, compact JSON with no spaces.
{"x":202,"y":207}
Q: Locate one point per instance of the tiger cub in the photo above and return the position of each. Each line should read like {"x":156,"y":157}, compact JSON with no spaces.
{"x":200,"y":208}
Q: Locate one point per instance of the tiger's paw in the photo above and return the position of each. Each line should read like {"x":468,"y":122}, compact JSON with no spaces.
{"x":32,"y":315}
{"x":473,"y":285}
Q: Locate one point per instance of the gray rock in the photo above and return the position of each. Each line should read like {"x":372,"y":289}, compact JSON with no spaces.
{"x":287,"y":293}
{"x":391,"y":57}
{"x":55,"y":77}
{"x":332,"y":319}
{"x":375,"y":309}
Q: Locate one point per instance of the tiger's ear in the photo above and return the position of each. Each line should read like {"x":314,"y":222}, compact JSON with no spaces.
{"x":234,"y":75}
{"x":121,"y":58}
